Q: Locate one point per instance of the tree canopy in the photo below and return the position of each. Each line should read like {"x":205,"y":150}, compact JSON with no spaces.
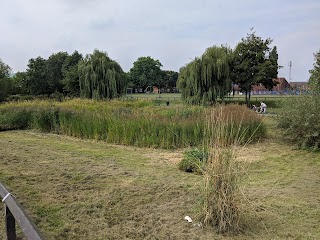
{"x":71,"y":86}
{"x":314,"y":80}
{"x":254,"y":63}
{"x":36,"y":80}
{"x":54,"y":73}
{"x":60,"y":74}
{"x":19,"y":83}
{"x":4,"y":80}
{"x":145,"y":72}
{"x":205,"y":79}
{"x":169,"y":79}
{"x":100,"y":77}
{"x":211,"y":76}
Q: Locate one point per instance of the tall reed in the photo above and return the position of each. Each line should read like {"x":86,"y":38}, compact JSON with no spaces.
{"x":221,"y":197}
{"x":137,"y":123}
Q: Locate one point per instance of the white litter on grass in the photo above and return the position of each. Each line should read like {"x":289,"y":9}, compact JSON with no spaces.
{"x":197,"y":225}
{"x":188,"y":219}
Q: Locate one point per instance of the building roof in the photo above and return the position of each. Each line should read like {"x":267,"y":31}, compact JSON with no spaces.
{"x":281,"y":84}
{"x":300,"y":85}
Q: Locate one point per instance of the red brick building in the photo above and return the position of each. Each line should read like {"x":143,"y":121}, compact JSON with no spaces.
{"x":282,"y":85}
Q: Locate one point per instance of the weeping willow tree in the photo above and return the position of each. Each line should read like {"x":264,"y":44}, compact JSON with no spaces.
{"x":205,"y":79}
{"x":100,"y":77}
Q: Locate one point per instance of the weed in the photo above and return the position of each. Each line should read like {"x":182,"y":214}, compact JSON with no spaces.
{"x":193,"y":160}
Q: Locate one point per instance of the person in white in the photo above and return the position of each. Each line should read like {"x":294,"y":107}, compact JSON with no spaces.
{"x":263,"y":107}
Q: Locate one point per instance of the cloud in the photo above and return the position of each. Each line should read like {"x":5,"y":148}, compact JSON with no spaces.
{"x":171,"y":31}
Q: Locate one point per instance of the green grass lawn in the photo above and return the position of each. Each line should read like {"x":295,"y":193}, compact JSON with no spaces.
{"x":272,"y":101}
{"x":75,"y":189}
{"x":155,"y":96}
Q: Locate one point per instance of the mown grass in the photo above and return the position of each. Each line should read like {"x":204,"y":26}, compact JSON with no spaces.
{"x":80,"y":189}
{"x":135,"y":123}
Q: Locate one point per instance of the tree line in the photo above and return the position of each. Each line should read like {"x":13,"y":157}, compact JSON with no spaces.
{"x":95,"y":76}
{"x":201,"y":81}
{"x":214,"y":74}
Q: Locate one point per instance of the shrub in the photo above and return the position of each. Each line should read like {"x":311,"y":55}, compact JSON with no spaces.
{"x":193,"y":160}
{"x":300,"y":120}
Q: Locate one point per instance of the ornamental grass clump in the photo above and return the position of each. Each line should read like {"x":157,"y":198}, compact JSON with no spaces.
{"x":221,"y":198}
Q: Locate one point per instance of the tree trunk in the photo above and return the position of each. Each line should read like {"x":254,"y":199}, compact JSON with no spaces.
{"x":246,"y":92}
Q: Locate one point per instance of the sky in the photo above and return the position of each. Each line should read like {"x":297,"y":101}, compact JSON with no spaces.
{"x":172,"y":31}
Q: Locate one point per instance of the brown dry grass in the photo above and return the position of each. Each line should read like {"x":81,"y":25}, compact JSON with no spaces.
{"x":76,"y":189}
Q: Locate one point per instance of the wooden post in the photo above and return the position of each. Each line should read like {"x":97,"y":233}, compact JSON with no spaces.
{"x":14,"y":212}
{"x":10,"y":225}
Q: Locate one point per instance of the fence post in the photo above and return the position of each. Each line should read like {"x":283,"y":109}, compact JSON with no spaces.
{"x":14,"y":213}
{"x":10,"y":224}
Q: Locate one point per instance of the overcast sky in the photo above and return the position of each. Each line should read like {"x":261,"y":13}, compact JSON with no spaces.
{"x":172,"y":31}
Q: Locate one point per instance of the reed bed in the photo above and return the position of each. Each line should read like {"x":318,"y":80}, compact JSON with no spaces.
{"x":134,"y":122}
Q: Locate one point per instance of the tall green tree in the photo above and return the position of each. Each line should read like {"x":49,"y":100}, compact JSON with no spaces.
{"x":71,"y":86}
{"x":169,"y":79}
{"x":188,"y":81}
{"x":18,"y":83}
{"x":314,"y":80}
{"x":205,"y":79}
{"x":254,"y":63}
{"x":4,"y":80}
{"x":145,"y":72}
{"x":36,"y":79}
{"x":53,"y":73}
{"x":100,"y":77}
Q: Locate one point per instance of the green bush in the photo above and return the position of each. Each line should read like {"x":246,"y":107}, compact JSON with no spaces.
{"x":300,"y":120}
{"x":193,"y":160}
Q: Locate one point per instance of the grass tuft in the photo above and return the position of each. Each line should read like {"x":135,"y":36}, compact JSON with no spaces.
{"x":221,"y":197}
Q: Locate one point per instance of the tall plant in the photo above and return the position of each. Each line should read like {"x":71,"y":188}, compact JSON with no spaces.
{"x":222,"y":173}
{"x":100,"y":77}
